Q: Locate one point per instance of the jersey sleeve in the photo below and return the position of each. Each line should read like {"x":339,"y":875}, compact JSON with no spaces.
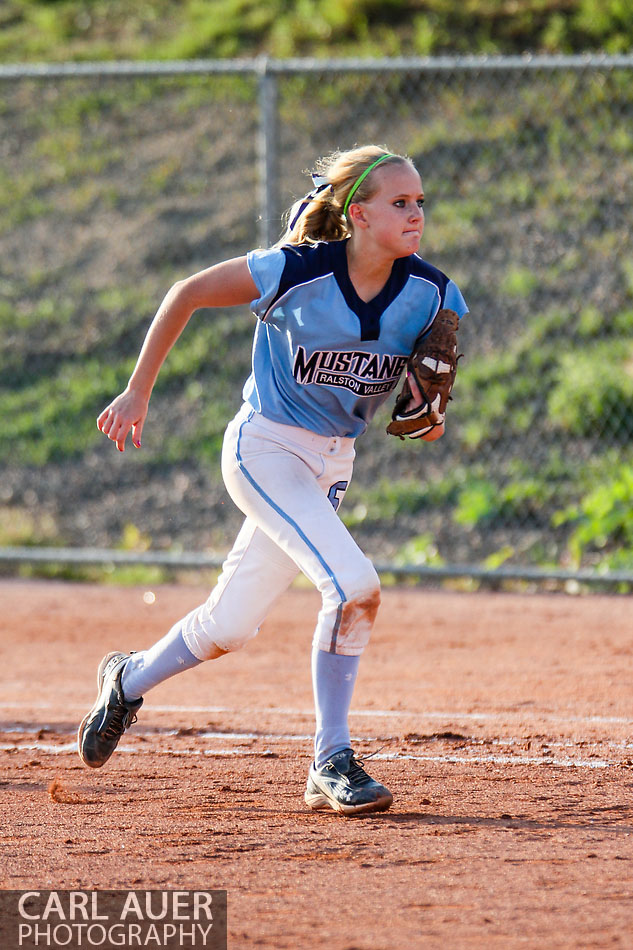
{"x":266,"y":267}
{"x":453,"y":299}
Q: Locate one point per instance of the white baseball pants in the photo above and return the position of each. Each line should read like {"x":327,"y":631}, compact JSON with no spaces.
{"x":288,"y":482}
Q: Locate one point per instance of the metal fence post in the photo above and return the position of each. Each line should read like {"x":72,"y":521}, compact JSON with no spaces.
{"x":267,"y":155}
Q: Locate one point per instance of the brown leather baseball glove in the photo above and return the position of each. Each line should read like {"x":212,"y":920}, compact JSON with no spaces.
{"x":430,"y":375}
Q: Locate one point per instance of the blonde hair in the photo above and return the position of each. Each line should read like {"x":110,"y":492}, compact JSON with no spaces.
{"x":323,"y":219}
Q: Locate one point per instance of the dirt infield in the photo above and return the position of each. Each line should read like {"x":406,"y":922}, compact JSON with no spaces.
{"x":502,"y":723}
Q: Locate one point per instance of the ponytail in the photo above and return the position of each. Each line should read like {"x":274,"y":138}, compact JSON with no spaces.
{"x":340,"y":178}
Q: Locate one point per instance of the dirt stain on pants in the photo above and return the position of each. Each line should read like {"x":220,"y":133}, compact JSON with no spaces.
{"x":353,"y":627}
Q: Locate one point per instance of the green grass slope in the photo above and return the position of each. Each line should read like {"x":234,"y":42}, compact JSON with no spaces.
{"x":157,"y":29}
{"x":110,"y":190}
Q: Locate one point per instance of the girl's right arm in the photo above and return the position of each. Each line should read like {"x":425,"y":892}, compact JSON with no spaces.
{"x":224,"y":285}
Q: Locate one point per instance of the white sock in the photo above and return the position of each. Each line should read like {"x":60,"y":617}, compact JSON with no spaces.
{"x":333,"y":681}
{"x":148,"y":668}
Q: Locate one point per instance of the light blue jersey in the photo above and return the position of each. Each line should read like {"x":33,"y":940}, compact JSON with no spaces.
{"x":323,"y":359}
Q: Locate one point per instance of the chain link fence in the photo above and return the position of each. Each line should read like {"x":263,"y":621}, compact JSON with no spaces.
{"x":117,"y":180}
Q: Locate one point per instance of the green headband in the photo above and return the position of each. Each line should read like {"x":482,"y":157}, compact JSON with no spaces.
{"x":362,"y":178}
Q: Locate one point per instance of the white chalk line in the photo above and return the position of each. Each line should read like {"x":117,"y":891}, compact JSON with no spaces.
{"x":471,"y":741}
{"x":72,"y":747}
{"x":454,"y":716}
{"x":496,"y":759}
{"x":19,"y":729}
{"x":478,"y":755}
{"x":445,"y":716}
{"x":493,"y":758}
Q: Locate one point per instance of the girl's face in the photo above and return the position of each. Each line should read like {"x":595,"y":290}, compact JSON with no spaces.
{"x":393,"y":218}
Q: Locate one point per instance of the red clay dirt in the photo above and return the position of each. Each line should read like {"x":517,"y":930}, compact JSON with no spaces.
{"x":502,"y":723}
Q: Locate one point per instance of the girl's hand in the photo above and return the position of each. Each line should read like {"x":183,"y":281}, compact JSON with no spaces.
{"x":415,"y":401}
{"x":127,"y":411}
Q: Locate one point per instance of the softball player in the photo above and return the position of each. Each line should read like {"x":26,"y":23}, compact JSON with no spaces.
{"x":339,"y":301}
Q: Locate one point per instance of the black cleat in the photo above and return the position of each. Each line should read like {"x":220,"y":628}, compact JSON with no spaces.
{"x":111,"y":715}
{"x":344,"y":785}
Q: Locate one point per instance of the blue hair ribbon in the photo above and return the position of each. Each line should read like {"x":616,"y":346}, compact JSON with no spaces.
{"x":320,"y":184}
